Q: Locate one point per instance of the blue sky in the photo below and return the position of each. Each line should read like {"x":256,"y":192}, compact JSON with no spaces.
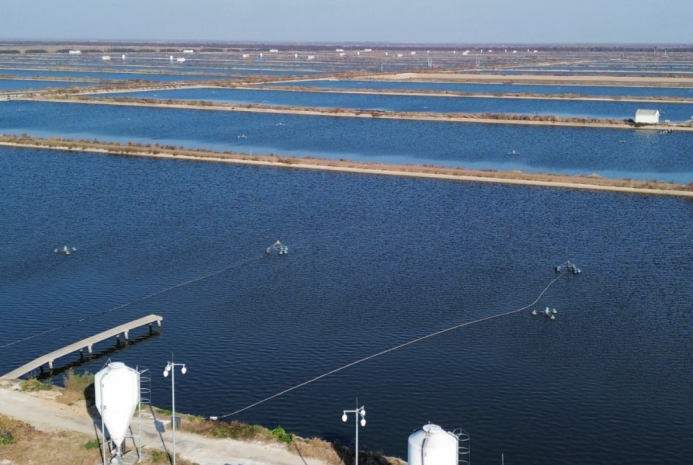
{"x":413,"y":21}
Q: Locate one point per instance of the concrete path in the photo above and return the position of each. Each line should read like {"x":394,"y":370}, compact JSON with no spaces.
{"x":48,"y":415}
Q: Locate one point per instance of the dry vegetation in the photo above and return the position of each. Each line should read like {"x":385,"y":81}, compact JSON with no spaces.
{"x":315,"y":448}
{"x":22,"y":444}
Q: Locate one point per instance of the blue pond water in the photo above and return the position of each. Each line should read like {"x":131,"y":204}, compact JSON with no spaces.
{"x":601,"y":91}
{"x":638,"y":154}
{"x":109,"y":75}
{"x":6,"y":84}
{"x":566,"y":108}
{"x":374,"y":262}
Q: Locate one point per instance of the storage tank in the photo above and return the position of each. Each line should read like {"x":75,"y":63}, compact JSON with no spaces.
{"x":431,"y":445}
{"x":117,"y":389}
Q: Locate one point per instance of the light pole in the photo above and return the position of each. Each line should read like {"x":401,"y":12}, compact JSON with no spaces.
{"x":358,"y":411}
{"x":171,"y":367}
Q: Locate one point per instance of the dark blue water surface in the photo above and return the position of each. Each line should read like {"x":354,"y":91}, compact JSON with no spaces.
{"x":374,"y":262}
{"x":638,"y":154}
{"x":600,"y":91}
{"x":565,"y":108}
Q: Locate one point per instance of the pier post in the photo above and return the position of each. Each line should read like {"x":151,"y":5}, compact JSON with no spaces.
{"x":126,"y":335}
{"x":89,"y":347}
{"x":50,"y":364}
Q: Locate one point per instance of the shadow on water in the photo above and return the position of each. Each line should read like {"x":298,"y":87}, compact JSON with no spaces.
{"x":346,"y":455}
{"x":119,"y":347}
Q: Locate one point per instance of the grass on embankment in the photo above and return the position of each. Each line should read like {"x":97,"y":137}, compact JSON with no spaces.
{"x":22,"y":444}
{"x":333,"y":453}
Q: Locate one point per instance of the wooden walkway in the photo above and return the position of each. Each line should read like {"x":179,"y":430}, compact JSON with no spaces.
{"x":81,"y":345}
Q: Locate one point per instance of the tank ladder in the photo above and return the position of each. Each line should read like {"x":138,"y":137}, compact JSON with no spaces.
{"x":464,"y":446}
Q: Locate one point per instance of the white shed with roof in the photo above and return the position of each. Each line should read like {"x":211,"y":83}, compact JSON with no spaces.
{"x":647,"y":116}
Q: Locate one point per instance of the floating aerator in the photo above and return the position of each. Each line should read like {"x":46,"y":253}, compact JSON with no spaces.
{"x":279,"y":247}
{"x":567,"y":266}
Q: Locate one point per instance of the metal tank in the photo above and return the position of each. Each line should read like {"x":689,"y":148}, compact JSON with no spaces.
{"x":117,"y":389}
{"x":431,"y":445}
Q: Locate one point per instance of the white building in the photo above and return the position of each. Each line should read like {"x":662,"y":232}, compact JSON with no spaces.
{"x":180,"y":60}
{"x":75,"y":52}
{"x":106,"y":58}
{"x":647,"y":116}
{"x":188,"y":51}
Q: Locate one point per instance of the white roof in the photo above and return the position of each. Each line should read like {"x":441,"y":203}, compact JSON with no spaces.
{"x":647,"y":112}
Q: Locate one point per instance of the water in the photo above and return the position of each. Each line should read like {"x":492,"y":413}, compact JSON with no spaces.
{"x":6,"y":84}
{"x":374,"y":261}
{"x":596,"y":91}
{"x":108,"y":75}
{"x":564,"y":108}
{"x":614,"y":153}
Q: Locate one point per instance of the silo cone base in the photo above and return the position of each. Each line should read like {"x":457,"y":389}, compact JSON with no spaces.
{"x":130,"y":458}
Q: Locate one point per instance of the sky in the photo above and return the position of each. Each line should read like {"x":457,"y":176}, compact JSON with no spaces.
{"x":343,"y":21}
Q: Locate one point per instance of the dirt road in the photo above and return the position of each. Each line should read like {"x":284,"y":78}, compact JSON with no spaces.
{"x":44,"y":413}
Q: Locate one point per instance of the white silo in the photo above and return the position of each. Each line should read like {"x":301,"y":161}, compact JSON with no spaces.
{"x":431,"y":445}
{"x":117,"y":389}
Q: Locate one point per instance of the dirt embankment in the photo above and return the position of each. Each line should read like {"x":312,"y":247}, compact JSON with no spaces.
{"x":450,"y":93}
{"x":41,"y":423}
{"x":591,"y":182}
{"x":605,"y":80}
{"x":485,"y":118}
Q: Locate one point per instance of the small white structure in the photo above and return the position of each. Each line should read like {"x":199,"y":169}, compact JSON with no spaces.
{"x":400,"y":55}
{"x":106,"y":58}
{"x":367,"y":50}
{"x":75,"y":52}
{"x":431,"y":445}
{"x":246,"y":55}
{"x":189,"y":51}
{"x":274,"y":50}
{"x":647,"y":116}
{"x":413,"y":53}
{"x":339,"y":50}
{"x":311,"y":57}
{"x":117,"y":389}
{"x":341,"y":54}
{"x":180,"y":60}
